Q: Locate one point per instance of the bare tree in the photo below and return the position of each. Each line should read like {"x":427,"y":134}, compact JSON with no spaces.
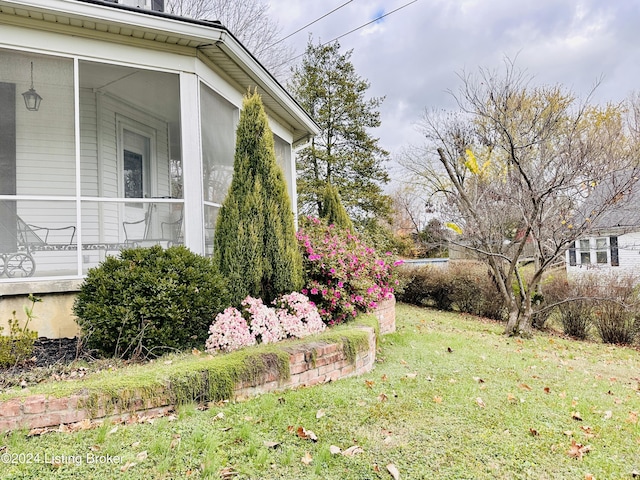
{"x":249,"y":22}
{"x":525,"y":171}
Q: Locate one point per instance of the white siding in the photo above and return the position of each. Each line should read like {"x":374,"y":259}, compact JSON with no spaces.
{"x":628,"y":257}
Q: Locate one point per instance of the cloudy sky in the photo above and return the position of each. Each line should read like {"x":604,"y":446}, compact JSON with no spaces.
{"x":413,"y":56}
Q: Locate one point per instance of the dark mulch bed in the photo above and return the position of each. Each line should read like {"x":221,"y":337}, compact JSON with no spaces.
{"x":57,"y":359}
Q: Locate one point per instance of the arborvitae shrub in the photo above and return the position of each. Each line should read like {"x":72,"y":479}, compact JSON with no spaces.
{"x":332,"y":211}
{"x":149,"y":301}
{"x":255,"y":246}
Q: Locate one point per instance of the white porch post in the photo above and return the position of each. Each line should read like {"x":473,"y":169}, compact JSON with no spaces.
{"x":191,"y":163}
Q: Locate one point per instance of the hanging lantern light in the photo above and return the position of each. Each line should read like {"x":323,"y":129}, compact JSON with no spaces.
{"x":31,"y":98}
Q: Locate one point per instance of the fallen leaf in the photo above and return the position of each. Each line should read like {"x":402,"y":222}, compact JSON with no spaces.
{"x":588,"y":476}
{"x":307,"y":459}
{"x":534,"y":432}
{"x":369,"y":383}
{"x":142,"y":456}
{"x":227,"y":472}
{"x":576,"y":416}
{"x":403,"y":362}
{"x":127,"y":466}
{"x":219,"y":416}
{"x":271,"y":444}
{"x":586,"y":429}
{"x":480,"y":402}
{"x":562,"y":394}
{"x":382,"y":397}
{"x":95,"y":448}
{"x":511,"y":398}
{"x":547,"y":390}
{"x":320,"y":413}
{"x":352,"y":451}
{"x":384,"y":377}
{"x":376,"y":468}
{"x":577,"y":450}
{"x":524,"y":386}
{"x":334,"y":450}
{"x":306,"y":434}
{"x":196,"y":352}
{"x":393,"y":470}
{"x":478,"y":379}
{"x":633,"y":417}
{"x":437,"y":399}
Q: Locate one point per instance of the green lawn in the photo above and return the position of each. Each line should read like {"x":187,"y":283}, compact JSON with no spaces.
{"x":450,"y":398}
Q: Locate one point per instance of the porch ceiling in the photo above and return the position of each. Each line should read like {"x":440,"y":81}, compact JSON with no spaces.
{"x":97,"y":18}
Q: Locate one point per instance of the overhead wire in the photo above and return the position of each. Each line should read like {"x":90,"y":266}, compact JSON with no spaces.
{"x":355,"y":29}
{"x":311,"y":23}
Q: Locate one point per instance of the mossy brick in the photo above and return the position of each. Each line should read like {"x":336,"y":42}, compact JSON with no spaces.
{"x":35,"y":404}
{"x":57,"y":404}
{"x":11,"y":408}
{"x":39,"y":421}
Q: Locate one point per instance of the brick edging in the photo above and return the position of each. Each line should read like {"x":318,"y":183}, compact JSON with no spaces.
{"x":309,"y":364}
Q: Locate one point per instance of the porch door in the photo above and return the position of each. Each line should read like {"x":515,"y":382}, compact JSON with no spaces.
{"x":136,"y":181}
{"x":8,"y":212}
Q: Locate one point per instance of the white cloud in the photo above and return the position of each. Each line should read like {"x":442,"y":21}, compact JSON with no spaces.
{"x":412,"y":58}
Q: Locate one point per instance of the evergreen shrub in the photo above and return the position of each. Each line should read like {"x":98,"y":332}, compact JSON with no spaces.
{"x":255,"y":244}
{"x":148,"y":301}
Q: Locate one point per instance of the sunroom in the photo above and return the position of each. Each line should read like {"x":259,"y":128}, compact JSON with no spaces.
{"x":100,"y":154}
{"x":117,"y":129}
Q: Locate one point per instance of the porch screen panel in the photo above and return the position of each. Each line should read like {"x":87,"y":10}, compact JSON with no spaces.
{"x":8,"y":220}
{"x":44,"y":139}
{"x":219,"y":119}
{"x":283,"y":157}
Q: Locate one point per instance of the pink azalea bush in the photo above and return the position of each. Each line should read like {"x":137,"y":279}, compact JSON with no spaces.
{"x":343,"y":275}
{"x":228,"y":332}
{"x":298,"y":316}
{"x":264,"y":321}
{"x":293,"y":316}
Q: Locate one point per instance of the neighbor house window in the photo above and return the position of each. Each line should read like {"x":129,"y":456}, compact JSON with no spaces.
{"x":585,"y":252}
{"x":601,"y":251}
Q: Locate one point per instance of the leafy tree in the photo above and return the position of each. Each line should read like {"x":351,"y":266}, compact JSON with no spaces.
{"x":332,"y":210}
{"x":255,"y":246}
{"x":249,"y":22}
{"x":525,"y":171}
{"x":344,"y":154}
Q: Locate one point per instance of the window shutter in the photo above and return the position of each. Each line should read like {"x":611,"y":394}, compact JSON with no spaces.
{"x":572,"y":255}
{"x":613,"y":246}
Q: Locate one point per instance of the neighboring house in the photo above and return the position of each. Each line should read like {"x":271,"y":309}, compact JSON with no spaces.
{"x":117,"y":128}
{"x":613,"y":246}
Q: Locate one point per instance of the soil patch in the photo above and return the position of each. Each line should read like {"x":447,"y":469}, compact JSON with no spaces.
{"x":52,"y":358}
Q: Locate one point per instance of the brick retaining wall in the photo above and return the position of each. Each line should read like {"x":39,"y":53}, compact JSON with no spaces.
{"x":310,"y":364}
{"x":386,"y":314}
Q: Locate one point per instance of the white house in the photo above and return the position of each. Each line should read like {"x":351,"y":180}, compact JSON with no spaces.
{"x":613,"y":247}
{"x":117,"y":128}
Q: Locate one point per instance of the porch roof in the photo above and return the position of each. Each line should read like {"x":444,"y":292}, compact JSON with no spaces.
{"x":208,"y":39}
